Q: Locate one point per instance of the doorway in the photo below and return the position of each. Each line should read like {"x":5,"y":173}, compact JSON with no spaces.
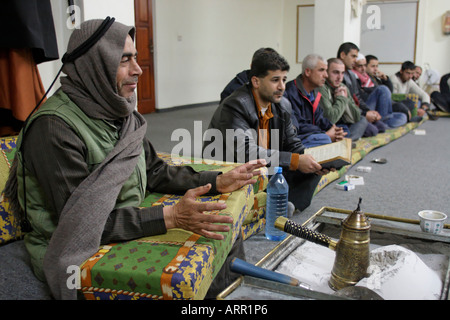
{"x":144,"y":45}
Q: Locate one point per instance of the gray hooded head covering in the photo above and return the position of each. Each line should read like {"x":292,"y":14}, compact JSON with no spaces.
{"x":91,"y":84}
{"x":91,"y":79}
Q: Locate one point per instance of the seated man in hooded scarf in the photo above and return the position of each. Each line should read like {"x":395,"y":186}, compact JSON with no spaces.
{"x":87,"y":164}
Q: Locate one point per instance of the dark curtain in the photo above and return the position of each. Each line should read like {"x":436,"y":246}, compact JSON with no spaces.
{"x":28,"y":38}
{"x":29,"y":24}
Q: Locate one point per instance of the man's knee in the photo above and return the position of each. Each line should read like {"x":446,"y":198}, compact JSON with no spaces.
{"x":382,"y":89}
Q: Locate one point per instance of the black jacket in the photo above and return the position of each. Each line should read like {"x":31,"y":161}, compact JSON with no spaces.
{"x":352,"y":83}
{"x":365,"y":92}
{"x":239,"y":113}
{"x":240,"y":79}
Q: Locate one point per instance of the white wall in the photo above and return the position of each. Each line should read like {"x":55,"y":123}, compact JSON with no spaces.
{"x":48,"y":70}
{"x":121,"y":10}
{"x":433,"y":47}
{"x":334,"y":25}
{"x":200,"y":45}
{"x":289,"y":39}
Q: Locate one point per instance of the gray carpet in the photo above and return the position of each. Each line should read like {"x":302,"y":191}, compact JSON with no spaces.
{"x":415,"y":177}
{"x":17,"y":280}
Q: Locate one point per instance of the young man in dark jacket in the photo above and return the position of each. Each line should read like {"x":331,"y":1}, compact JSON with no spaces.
{"x":255,"y":122}
{"x":240,"y":79}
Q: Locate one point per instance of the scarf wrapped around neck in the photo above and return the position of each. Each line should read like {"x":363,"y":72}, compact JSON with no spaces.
{"x":366,"y":82}
{"x":91,"y":83}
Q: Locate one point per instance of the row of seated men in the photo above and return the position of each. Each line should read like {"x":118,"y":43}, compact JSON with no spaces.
{"x":273,"y":118}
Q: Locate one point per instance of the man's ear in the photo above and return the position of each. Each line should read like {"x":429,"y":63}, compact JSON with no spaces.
{"x":307,"y":72}
{"x":255,"y":82}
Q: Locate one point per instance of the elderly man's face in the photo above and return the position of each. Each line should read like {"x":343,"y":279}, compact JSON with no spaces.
{"x":128,"y":71}
{"x":318,"y":75}
{"x":417,"y":73}
{"x":361,"y":66}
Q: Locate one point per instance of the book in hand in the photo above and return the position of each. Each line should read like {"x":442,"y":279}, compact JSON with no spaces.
{"x":333,"y":155}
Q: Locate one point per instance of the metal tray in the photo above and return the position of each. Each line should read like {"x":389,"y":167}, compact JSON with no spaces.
{"x":325,"y":220}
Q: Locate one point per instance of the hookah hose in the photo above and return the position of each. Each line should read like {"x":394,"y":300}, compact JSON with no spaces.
{"x":297,"y":230}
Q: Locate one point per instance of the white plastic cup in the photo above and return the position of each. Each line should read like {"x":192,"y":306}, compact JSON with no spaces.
{"x":432,"y":221}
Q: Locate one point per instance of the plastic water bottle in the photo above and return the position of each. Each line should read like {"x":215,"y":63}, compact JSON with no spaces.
{"x":277,"y":204}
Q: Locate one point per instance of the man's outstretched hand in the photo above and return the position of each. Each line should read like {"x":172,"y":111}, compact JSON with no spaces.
{"x":188,"y":214}
{"x":240,"y":176}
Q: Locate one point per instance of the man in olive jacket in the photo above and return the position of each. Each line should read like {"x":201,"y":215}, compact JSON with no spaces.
{"x":337,"y":103}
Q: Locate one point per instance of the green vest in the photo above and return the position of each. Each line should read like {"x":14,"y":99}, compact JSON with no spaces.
{"x":100,"y":138}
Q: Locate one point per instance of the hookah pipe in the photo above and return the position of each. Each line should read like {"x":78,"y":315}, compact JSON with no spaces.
{"x":352,"y":249}
{"x":242,"y":267}
{"x":295,"y":229}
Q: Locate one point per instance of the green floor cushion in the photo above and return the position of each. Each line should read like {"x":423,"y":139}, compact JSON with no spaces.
{"x":176,"y":265}
{"x":252,"y":223}
{"x":441,"y":114}
{"x":398,"y":97}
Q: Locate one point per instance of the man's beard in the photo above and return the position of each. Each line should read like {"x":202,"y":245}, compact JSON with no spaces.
{"x":272,"y":98}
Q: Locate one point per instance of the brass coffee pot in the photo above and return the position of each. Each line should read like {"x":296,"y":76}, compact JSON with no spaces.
{"x":352,"y":249}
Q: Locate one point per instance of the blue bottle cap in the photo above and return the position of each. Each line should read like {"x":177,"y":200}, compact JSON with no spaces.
{"x":278,"y":170}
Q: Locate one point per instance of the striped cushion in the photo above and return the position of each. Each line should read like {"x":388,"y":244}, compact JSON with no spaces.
{"x":9,"y":226}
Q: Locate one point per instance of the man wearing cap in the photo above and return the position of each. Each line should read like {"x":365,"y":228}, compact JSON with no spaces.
{"x":87,"y":165}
